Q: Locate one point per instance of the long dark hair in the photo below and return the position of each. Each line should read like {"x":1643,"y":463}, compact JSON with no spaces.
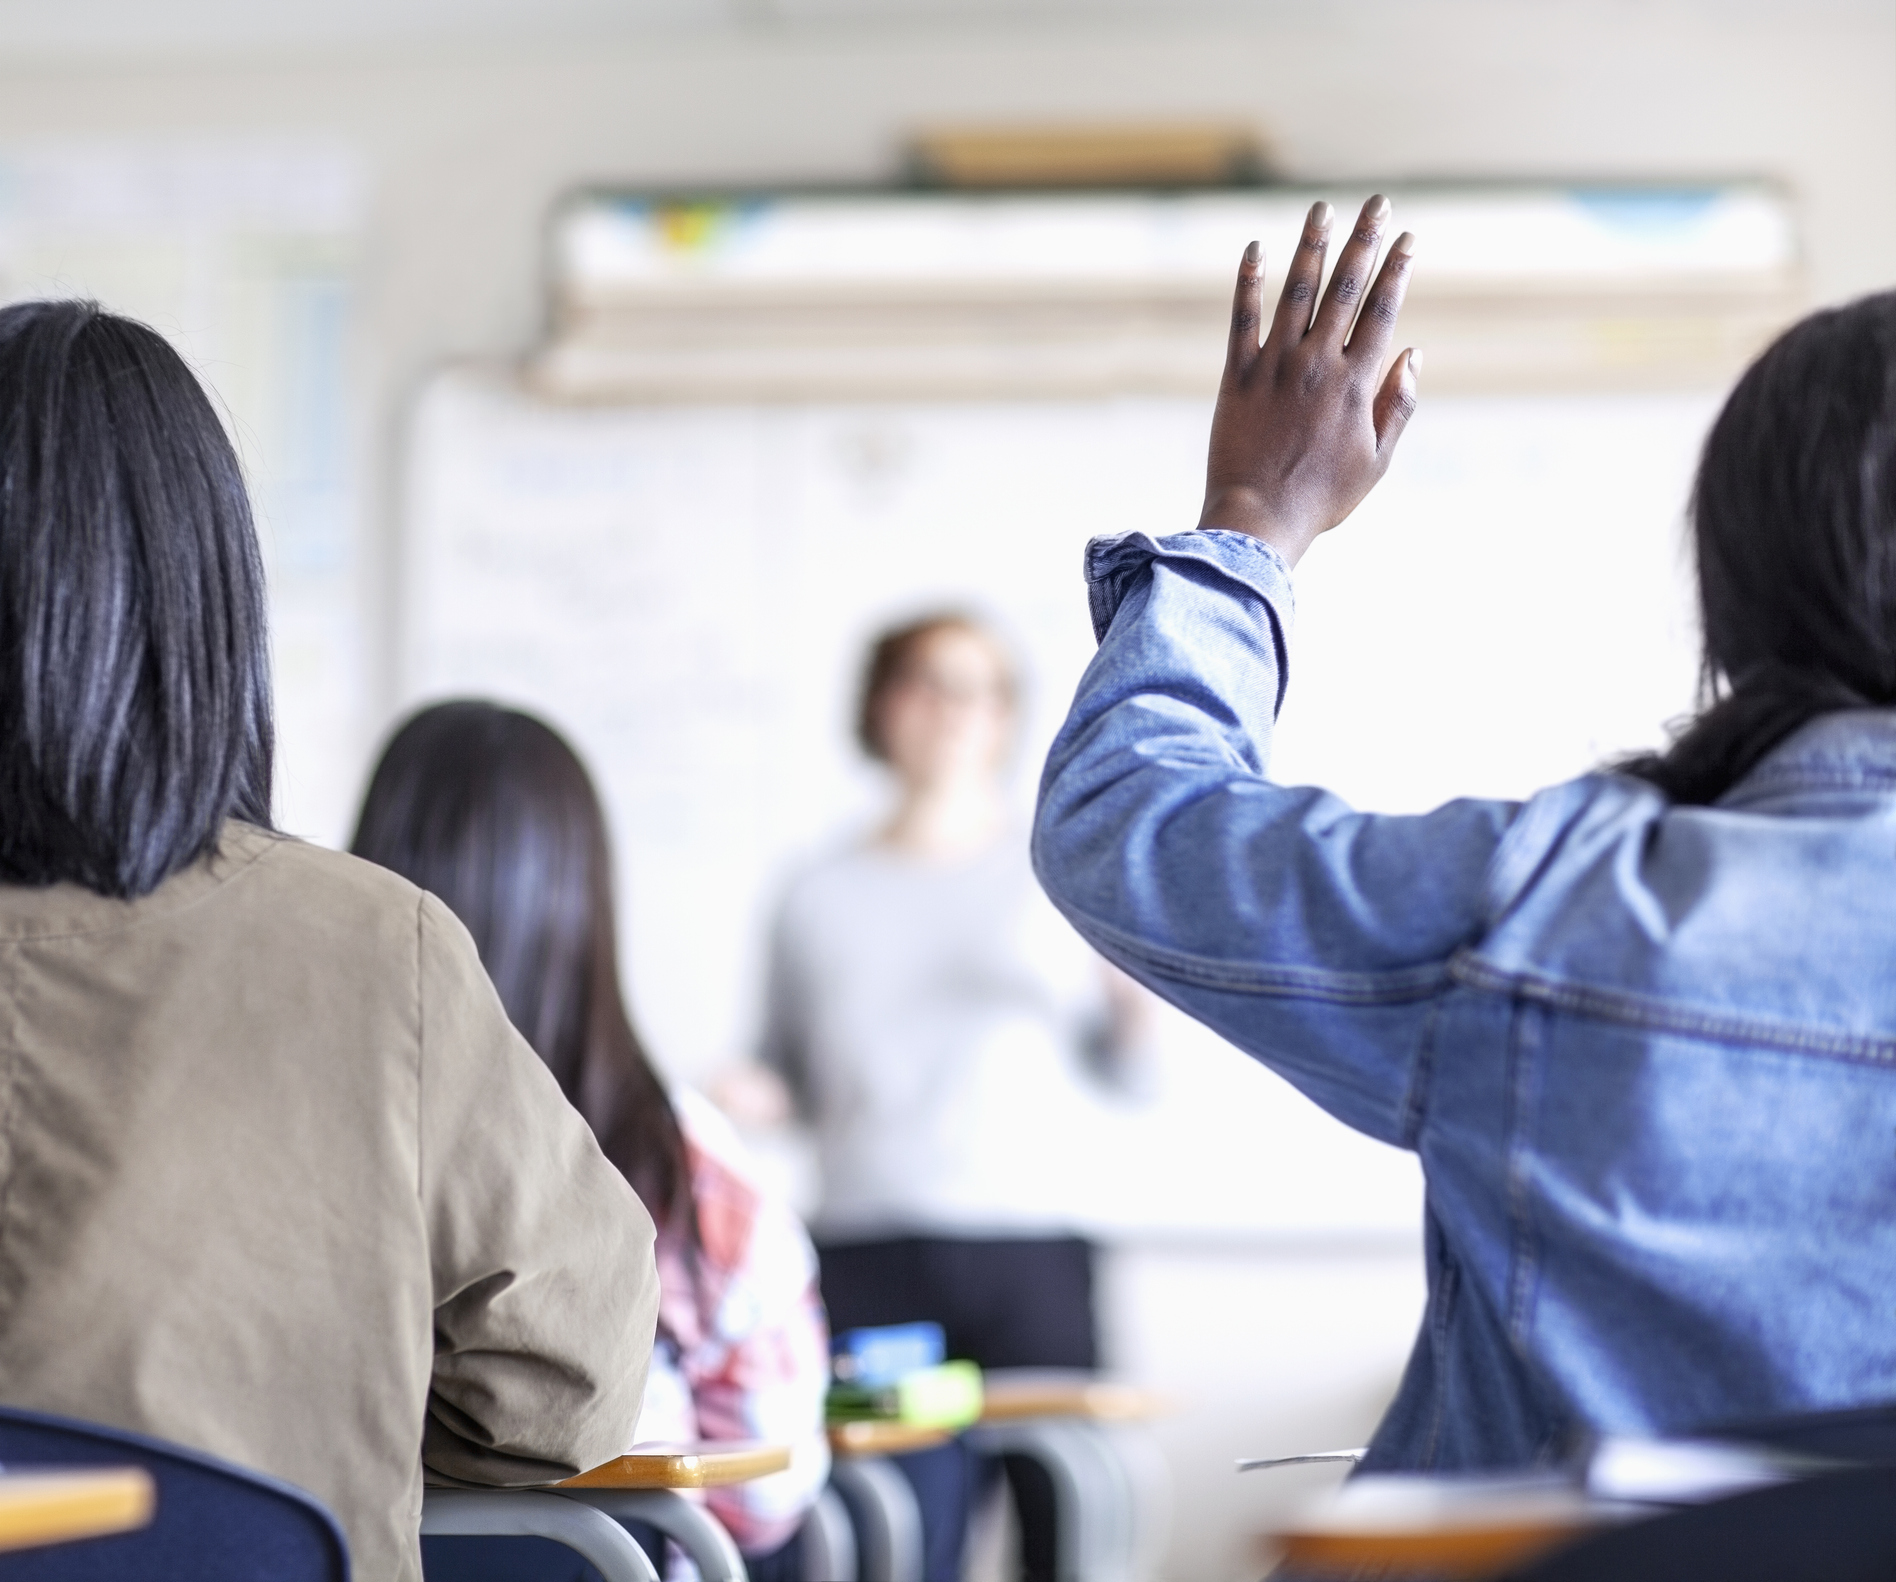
{"x":134,"y":675}
{"x":490,"y":810}
{"x":1794,"y":526}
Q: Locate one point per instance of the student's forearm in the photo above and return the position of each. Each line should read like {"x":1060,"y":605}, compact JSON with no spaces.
{"x":1179,"y":704}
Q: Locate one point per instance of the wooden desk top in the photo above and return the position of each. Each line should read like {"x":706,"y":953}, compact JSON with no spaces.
{"x":1466,"y":1528}
{"x":1010,"y":1397}
{"x":870,"y":1438}
{"x":703,"y":1465}
{"x":54,"y":1506}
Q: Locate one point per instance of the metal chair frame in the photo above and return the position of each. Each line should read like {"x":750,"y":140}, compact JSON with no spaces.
{"x":537,"y":1513}
{"x":687,"y":1523}
{"x":1096,"y":1498}
{"x":829,"y":1542}
{"x":883,"y":1505}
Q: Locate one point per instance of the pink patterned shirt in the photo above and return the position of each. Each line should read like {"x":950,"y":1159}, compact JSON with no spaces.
{"x":743,"y":1347}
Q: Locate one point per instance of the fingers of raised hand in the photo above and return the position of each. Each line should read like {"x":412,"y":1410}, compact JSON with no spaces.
{"x":1298,"y":299}
{"x":1395,"y":402}
{"x":1351,"y":274}
{"x":1377,"y":321}
{"x":1246,"y":314}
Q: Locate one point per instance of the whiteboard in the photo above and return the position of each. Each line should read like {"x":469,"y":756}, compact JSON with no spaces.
{"x":687,"y":593}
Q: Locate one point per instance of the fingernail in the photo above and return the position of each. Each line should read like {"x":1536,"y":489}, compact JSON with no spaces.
{"x":1415,"y":362}
{"x":1320,"y":213}
{"x":1252,"y":253}
{"x":1377,"y":209}
{"x":1405,"y":243}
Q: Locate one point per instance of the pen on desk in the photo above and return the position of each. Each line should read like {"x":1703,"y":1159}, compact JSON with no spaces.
{"x":1265,"y":1463}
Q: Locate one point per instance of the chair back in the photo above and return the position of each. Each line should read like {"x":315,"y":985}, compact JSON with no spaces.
{"x":214,"y":1522}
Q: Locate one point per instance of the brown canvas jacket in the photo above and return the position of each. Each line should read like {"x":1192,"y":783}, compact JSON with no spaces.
{"x":279,"y":1180}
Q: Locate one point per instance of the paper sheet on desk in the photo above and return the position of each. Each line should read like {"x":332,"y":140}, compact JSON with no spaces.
{"x":1689,"y":1471}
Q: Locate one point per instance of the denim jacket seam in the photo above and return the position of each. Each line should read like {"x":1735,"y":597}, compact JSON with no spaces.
{"x":1440,"y":1319}
{"x":1400,"y":986}
{"x":1844,"y":751}
{"x":1523,"y":1071}
{"x":1643,"y":1011}
{"x":1218,"y":542}
{"x":1415,"y":1100}
{"x":1804,"y":779}
{"x":1245,"y":543}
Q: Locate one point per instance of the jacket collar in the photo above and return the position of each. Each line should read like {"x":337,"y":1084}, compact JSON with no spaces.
{"x":1851,"y":750}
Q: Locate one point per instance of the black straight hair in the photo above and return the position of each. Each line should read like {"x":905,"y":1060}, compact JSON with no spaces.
{"x":490,"y":810}
{"x":1794,"y":530}
{"x":134,"y":673}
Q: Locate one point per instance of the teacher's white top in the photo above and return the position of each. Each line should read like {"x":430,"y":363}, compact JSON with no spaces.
{"x":946,"y":1033}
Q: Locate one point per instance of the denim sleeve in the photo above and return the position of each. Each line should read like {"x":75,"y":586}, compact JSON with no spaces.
{"x":1313,"y":937}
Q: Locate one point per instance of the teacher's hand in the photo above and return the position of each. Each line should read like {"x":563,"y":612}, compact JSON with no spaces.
{"x":1304,"y":427}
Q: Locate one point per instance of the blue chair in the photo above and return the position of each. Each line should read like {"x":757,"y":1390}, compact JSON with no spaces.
{"x":214,"y":1522}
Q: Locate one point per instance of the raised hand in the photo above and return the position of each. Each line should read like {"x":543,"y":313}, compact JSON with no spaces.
{"x":1306,"y":422}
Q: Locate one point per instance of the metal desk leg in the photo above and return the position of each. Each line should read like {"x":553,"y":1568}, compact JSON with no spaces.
{"x":533,"y":1513}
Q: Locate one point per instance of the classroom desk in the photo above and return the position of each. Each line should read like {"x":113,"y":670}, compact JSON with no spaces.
{"x":1461,"y":1528}
{"x":872,"y":1438}
{"x":53,"y":1507}
{"x":1012,"y":1398}
{"x":1063,"y":1420}
{"x":642,"y":1486}
{"x":705,"y":1465}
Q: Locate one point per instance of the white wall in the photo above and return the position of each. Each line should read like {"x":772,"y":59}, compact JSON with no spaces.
{"x":466,"y":139}
{"x":1263,"y":1350}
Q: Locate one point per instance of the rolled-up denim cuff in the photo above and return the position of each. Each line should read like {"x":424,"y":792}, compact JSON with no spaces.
{"x":1115,"y":565}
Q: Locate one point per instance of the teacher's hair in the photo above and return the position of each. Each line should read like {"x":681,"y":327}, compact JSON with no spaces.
{"x":894,"y":651}
{"x":1794,"y":528}
{"x":491,"y":811}
{"x":134,"y":673}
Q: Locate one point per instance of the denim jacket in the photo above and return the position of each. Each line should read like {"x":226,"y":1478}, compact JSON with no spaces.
{"x":1646,"y":1053}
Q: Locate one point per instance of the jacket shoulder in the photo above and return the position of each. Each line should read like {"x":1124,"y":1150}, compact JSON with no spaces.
{"x":315,"y":884}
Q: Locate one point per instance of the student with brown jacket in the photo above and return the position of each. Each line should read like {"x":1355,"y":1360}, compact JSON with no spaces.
{"x":278,"y":1179}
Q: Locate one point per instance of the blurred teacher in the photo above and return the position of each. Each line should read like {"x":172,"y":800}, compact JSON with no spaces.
{"x":939,"y":1025}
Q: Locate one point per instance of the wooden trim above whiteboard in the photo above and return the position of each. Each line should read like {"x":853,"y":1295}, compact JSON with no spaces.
{"x":1634,"y":342}
{"x":734,"y":321}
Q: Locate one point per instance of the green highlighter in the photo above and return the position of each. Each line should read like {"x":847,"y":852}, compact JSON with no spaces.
{"x":947,"y":1395}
